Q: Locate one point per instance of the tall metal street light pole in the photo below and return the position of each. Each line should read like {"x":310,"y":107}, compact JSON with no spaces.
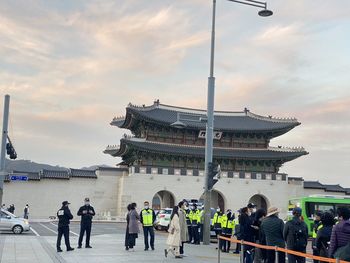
{"x":3,"y":144}
{"x":210,"y":114}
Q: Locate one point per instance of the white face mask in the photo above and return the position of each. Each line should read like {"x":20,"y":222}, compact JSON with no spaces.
{"x":146,"y":206}
{"x":87,"y":203}
{"x":254,"y":210}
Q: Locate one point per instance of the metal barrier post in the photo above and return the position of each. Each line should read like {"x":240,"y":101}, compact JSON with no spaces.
{"x":219,"y":240}
{"x":276,"y":255}
{"x":241,"y":252}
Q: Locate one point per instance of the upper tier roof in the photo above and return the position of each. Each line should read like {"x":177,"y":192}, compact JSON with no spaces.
{"x":244,"y":121}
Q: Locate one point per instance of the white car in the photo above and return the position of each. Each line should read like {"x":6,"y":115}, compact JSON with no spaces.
{"x":10,"y":222}
{"x":163,"y":219}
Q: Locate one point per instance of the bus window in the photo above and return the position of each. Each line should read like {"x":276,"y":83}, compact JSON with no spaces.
{"x":341,"y":205}
{"x":312,"y":208}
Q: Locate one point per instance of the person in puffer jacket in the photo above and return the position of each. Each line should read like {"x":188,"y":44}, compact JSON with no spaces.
{"x":341,"y":232}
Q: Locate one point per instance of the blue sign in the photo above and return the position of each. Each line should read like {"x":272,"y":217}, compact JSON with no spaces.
{"x":19,"y":178}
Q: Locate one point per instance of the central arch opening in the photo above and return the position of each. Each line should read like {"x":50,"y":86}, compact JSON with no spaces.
{"x":260,"y":201}
{"x":163,"y":199}
{"x":216,"y":200}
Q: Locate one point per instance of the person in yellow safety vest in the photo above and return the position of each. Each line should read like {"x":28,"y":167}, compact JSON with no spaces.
{"x":317,"y":226}
{"x":201,"y":216}
{"x":227,"y":225}
{"x":195,"y":221}
{"x":147,"y":218}
{"x":237,"y":233}
{"x":188,"y":222}
{"x":216,"y":223}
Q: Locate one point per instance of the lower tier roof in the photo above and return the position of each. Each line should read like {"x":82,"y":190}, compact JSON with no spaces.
{"x":271,"y":153}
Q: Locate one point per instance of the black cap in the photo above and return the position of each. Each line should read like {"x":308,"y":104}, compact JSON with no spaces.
{"x":87,"y":199}
{"x":65,"y":203}
{"x":251,"y":205}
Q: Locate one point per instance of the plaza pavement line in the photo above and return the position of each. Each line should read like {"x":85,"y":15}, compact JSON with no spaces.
{"x":36,"y":233}
{"x":69,"y":230}
{"x":53,"y":231}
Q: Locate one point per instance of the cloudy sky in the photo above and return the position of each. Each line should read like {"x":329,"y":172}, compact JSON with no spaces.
{"x":71,"y":66}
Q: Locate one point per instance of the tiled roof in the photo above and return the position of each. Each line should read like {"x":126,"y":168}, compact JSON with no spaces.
{"x":313,"y":185}
{"x":83,"y":173}
{"x":244,"y":121}
{"x":54,"y":174}
{"x":334,"y":188}
{"x":198,"y":151}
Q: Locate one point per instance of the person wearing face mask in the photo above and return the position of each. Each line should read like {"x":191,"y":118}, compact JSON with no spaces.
{"x":216,"y":223}
{"x":147,"y":218}
{"x":227,"y":225}
{"x":86,"y":212}
{"x":251,"y":211}
{"x":195,"y":220}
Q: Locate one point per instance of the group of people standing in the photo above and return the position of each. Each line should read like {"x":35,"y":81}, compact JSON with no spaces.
{"x":178,"y":230}
{"x":86,"y":212}
{"x":12,"y":209}
{"x":146,"y":217}
{"x":266,"y":228}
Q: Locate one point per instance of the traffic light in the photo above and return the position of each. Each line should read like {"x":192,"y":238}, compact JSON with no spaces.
{"x":214,"y":172}
{"x":10,"y":150}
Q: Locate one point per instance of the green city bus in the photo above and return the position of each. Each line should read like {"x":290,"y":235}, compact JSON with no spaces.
{"x":310,"y":205}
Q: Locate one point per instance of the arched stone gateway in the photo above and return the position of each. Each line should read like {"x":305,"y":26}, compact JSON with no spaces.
{"x":217,"y":199}
{"x":163,"y":199}
{"x":260,"y":200}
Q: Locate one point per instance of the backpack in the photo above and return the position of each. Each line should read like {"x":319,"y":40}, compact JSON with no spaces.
{"x":299,"y":236}
{"x":343,"y":253}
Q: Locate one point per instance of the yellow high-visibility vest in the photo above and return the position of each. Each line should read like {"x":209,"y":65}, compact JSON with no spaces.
{"x":147,"y":217}
{"x":216,"y":219}
{"x":314,"y":231}
{"x":195,"y":216}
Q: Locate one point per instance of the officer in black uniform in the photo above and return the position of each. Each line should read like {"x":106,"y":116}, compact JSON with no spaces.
{"x":64,"y":215}
{"x":86,"y":212}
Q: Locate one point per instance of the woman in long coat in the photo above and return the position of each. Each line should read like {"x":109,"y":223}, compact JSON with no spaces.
{"x":134,"y":219}
{"x":183,"y":226}
{"x":174,"y":238}
{"x":127,"y":228}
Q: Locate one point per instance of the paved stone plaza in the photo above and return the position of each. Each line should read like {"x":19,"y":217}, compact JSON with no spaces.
{"x":40,"y":247}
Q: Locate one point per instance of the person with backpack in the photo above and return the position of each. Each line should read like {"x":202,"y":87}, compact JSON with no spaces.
{"x":340,"y":238}
{"x":324,"y":234}
{"x":296,"y":234}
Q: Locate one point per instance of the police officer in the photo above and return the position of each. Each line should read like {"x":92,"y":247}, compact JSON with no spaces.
{"x":86,"y":212}
{"x":195,"y":220}
{"x":227,"y":226}
{"x":201,"y":216}
{"x":188,"y":222}
{"x":147,"y":218}
{"x":64,"y":215}
{"x":316,"y":227}
{"x":216,"y":223}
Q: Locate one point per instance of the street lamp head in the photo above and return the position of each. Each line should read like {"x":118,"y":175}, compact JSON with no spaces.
{"x":265,"y":13}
